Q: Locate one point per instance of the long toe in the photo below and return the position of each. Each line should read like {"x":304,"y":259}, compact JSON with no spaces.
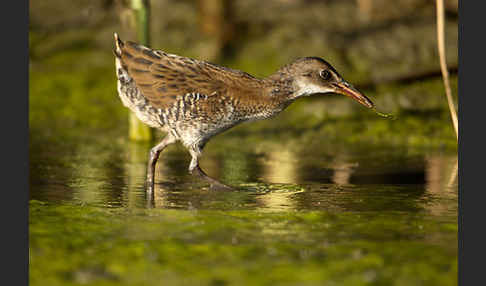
{"x":218,"y":186}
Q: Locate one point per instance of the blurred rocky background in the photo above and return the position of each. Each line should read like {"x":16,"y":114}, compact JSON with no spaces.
{"x":370,"y":41}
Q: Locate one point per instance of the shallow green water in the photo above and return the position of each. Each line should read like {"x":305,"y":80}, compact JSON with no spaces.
{"x":313,"y":214}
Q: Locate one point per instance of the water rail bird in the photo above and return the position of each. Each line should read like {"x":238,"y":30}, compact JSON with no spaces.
{"x":193,"y":100}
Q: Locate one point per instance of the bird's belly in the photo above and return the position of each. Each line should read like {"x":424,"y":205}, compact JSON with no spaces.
{"x":198,"y":129}
{"x":198,"y":132}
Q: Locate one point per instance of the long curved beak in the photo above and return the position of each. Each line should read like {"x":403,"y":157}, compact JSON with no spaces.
{"x":347,"y":89}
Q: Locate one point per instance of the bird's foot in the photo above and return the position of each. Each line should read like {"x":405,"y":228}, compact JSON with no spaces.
{"x":215,"y":185}
{"x":149,"y":186}
{"x":149,"y":192}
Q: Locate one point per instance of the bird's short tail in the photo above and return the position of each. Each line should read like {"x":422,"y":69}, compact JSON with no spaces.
{"x":118,"y":45}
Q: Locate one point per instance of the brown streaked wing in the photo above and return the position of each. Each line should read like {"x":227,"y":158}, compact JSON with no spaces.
{"x":161,"y":77}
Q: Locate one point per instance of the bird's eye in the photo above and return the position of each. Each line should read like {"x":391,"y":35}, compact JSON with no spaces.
{"x":325,"y":74}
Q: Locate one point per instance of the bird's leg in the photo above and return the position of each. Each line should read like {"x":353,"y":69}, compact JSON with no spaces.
{"x":194,"y":169}
{"x":154,"y":155}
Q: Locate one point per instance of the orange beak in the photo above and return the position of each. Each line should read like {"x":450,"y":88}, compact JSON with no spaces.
{"x":345,"y":88}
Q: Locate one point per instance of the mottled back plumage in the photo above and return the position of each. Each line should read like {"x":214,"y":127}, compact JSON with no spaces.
{"x":162,"y":77}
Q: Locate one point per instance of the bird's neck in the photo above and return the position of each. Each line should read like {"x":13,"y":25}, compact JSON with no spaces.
{"x":281,"y":86}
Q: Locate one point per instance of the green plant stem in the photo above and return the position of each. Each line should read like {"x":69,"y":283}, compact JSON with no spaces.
{"x":137,"y":130}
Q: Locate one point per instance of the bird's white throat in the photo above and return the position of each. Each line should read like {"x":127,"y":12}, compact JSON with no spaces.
{"x":305,"y":89}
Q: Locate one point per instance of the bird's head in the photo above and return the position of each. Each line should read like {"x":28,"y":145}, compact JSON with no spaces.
{"x":313,"y":75}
